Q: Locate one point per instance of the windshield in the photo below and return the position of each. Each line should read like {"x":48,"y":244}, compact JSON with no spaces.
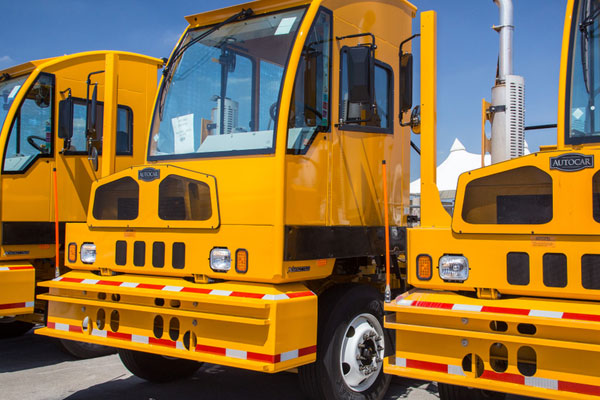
{"x":8,"y":91}
{"x":221,"y":97}
{"x":583,"y":112}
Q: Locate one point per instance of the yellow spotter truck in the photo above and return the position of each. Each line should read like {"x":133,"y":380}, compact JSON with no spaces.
{"x":254,"y":234}
{"x":51,"y":116}
{"x":504,"y":294}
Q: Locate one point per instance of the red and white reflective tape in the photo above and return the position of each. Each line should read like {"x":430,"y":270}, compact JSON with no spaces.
{"x":531,"y":381}
{"x":15,"y":268}
{"x":11,"y":306}
{"x":185,"y":289}
{"x":200,"y":348}
{"x":499,"y":310}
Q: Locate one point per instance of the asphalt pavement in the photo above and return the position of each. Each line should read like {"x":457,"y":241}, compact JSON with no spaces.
{"x":34,"y":367}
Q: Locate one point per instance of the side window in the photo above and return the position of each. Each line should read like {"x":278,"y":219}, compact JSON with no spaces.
{"x":381,"y":119}
{"x":596,"y":194}
{"x":519,"y":196}
{"x":309,"y":108}
{"x":124,"y":129}
{"x":31,"y":133}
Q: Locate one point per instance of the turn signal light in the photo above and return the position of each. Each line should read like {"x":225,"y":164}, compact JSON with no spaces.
{"x":241,"y":261}
{"x":72,"y":252}
{"x":424,"y":267}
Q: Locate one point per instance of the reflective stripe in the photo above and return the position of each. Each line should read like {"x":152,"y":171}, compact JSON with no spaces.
{"x":168,"y":288}
{"x":220,"y":351}
{"x":499,"y":310}
{"x":517,"y":379}
{"x":15,"y":268}
{"x":547,"y":314}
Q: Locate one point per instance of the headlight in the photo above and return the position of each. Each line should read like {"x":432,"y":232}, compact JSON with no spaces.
{"x":454,"y":268}
{"x":88,"y":253}
{"x":220,"y":259}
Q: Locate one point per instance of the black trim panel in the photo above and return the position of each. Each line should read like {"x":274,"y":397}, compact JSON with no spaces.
{"x":317,"y":242}
{"x":31,"y":233}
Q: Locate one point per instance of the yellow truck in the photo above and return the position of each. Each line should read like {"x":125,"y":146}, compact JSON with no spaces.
{"x":50,"y":115}
{"x":258,"y":232}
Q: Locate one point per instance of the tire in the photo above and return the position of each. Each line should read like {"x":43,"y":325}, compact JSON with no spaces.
{"x":14,"y":328}
{"x":157,"y":368}
{"x":350,"y":325}
{"x":84,"y":350}
{"x":455,"y":392}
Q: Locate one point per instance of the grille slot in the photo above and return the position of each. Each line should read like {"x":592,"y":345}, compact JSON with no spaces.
{"x":590,"y":271}
{"x":139,"y":254}
{"x":121,"y":252}
{"x":517,"y":268}
{"x":158,"y":254}
{"x":178,"y":260}
{"x":555,"y":270}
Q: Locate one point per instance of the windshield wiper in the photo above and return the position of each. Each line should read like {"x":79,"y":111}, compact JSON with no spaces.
{"x":168,"y":71}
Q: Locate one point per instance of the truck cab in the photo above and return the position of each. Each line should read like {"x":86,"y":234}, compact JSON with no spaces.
{"x":259,"y":211}
{"x":46,"y":139}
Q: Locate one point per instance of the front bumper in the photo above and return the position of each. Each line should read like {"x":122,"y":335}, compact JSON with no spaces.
{"x":260,"y":327}
{"x":537,"y":347}
{"x":17,"y":285}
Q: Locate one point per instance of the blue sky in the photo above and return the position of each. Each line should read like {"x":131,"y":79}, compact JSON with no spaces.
{"x":467,"y":49}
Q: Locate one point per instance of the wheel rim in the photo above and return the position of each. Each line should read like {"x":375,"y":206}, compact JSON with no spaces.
{"x":362,"y":352}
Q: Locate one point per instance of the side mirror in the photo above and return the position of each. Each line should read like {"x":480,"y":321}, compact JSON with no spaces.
{"x":360,"y":64}
{"x":92,"y":112}
{"x":65,"y":119}
{"x":406,"y":82}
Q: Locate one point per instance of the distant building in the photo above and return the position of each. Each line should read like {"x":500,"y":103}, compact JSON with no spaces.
{"x":231,"y":116}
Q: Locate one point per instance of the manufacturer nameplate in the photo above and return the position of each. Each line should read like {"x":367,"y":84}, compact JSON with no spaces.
{"x":571,"y":162}
{"x":148,"y":174}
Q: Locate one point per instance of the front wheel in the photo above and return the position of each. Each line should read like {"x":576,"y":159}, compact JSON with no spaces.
{"x":157,"y":368}
{"x":350,"y":347}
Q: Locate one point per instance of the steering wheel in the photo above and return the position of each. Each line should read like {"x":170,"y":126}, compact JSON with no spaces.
{"x":40,"y":148}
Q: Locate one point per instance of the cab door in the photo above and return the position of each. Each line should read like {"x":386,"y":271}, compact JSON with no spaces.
{"x":27,"y":159}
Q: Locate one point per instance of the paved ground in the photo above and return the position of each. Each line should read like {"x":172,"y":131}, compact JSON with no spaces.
{"x":34,"y":368}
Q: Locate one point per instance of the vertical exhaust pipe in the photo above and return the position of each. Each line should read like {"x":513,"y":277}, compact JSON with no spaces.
{"x":508,"y":94}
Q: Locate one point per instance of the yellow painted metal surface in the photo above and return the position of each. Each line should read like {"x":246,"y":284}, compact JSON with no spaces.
{"x":262,"y":327}
{"x":530,"y":346}
{"x":432,"y":212}
{"x":18,"y":285}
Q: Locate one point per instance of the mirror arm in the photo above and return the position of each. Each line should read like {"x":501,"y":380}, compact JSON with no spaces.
{"x":408,"y":40}
{"x":372,"y":45}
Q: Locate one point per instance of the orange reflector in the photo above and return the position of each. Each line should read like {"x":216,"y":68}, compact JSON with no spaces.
{"x":241,"y":261}
{"x":424,"y":267}
{"x":72,"y":252}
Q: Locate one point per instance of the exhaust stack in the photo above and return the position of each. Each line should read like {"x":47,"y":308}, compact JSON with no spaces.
{"x":508,"y":95}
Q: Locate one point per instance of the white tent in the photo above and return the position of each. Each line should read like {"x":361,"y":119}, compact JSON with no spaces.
{"x":459,"y":160}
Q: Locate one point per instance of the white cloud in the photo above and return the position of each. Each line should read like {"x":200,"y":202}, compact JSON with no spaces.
{"x":6,"y":61}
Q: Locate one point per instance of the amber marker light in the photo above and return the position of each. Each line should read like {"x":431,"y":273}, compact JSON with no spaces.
{"x":241,"y":261}
{"x":424,"y":267}
{"x":72,"y":252}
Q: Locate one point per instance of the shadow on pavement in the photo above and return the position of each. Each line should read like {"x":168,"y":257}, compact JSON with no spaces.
{"x":222,"y":383}
{"x":30,"y":351}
